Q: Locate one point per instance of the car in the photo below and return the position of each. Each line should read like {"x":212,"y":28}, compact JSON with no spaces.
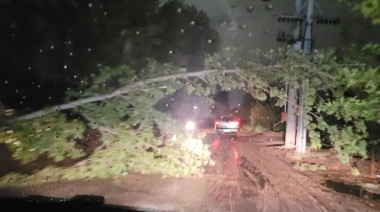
{"x":227,"y":125}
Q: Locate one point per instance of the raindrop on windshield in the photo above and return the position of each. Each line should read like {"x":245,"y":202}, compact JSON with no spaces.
{"x":269,"y":7}
{"x":249,"y":8}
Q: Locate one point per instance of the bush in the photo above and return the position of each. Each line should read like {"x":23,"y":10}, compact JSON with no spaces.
{"x":257,"y":128}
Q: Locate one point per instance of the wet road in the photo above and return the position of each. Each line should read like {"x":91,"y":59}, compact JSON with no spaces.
{"x":225,"y":185}
{"x":249,"y":175}
{"x":255,"y":176}
{"x":225,"y":155}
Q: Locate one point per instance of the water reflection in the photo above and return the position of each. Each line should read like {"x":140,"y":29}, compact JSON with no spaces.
{"x":226,"y":156}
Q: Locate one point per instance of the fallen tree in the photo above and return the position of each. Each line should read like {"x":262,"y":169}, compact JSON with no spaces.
{"x":136,"y":137}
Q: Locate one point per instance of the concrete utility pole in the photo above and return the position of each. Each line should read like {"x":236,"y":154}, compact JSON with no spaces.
{"x":291,"y":123}
{"x":298,"y":42}
{"x":302,"y":122}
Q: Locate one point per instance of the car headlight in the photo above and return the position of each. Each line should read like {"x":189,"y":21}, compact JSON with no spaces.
{"x":190,"y":125}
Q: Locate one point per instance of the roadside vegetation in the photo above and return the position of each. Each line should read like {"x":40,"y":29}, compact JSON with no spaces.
{"x":342,"y":97}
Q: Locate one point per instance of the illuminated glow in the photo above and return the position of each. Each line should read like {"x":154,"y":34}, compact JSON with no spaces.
{"x":235,"y":152}
{"x":174,"y":138}
{"x":215,"y":144}
{"x":194,"y":145}
{"x":190,"y":125}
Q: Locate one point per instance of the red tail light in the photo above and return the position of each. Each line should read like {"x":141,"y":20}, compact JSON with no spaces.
{"x":216,"y":122}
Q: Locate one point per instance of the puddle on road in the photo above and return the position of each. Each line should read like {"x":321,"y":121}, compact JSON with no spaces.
{"x":355,"y":190}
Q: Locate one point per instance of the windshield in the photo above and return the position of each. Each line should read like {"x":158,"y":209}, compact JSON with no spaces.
{"x":120,"y":102}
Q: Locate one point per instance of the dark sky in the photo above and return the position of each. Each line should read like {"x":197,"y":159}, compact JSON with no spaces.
{"x":261,"y":23}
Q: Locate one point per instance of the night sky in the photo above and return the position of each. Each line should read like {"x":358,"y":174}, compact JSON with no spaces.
{"x":49,"y":46}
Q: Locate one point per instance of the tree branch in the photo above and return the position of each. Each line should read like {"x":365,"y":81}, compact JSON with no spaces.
{"x":129,"y":88}
{"x":122,"y":90}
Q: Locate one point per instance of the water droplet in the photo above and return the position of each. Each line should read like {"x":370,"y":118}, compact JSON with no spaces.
{"x":269,"y":7}
{"x":179,"y":10}
{"x":243,"y":26}
{"x":65,"y":67}
{"x":6,"y":82}
{"x":52,"y":47}
{"x":250,"y":8}
{"x":75,"y":76}
{"x":250,"y":34}
{"x":89,"y":49}
{"x":90,"y":5}
{"x":209,"y":41}
{"x":40,"y":50}
{"x":182,"y":30}
{"x":138,"y":32}
{"x":192,"y":23}
{"x":71,"y":54}
{"x":170,"y":52}
{"x":29,"y":68}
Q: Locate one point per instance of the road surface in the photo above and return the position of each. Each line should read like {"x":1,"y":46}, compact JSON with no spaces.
{"x":250,"y":174}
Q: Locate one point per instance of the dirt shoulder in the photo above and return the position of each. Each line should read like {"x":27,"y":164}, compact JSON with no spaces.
{"x":282,"y":188}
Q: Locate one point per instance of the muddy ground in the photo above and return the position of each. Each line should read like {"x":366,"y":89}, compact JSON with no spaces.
{"x":252,"y":173}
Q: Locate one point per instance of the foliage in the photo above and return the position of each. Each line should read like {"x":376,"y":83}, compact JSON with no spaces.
{"x":309,"y":167}
{"x":266,"y":114}
{"x":136,"y":137}
{"x":340,"y":95}
{"x":132,"y":124}
{"x":355,"y":172}
{"x":256,"y":128}
{"x":51,"y":134}
{"x":369,"y":8}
